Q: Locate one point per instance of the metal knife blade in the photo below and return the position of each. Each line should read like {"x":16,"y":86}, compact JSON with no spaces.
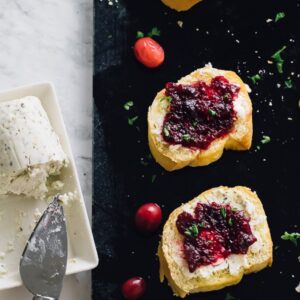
{"x":43,"y":262}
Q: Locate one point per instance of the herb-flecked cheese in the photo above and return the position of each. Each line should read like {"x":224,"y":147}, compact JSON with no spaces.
{"x":30,"y":150}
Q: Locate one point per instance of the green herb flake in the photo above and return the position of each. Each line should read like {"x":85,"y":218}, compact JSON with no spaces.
{"x":280,"y":67}
{"x":226,"y":96}
{"x":255,"y":78}
{"x":279,"y":16}
{"x":266,"y":139}
{"x":192,"y":230}
{"x":166,"y":98}
{"x":139,"y":34}
{"x":288,"y":83}
{"x":223,"y":212}
{"x":293,"y":237}
{"x":230,"y":222}
{"x":186,"y":137}
{"x":166,"y":131}
{"x":153,"y":177}
{"x":128,"y":105}
{"x":154,"y":32}
{"x":234,"y":209}
{"x":278,"y":59}
{"x":212,"y":112}
{"x":194,"y":123}
{"x":202,"y":225}
{"x":132,"y":120}
{"x":188,"y":233}
{"x":228,"y":296}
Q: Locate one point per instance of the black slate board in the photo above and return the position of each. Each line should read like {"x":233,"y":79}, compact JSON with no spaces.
{"x":122,"y":183}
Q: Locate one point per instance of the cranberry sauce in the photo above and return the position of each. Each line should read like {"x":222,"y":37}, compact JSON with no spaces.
{"x":213,"y":232}
{"x":199,"y":113}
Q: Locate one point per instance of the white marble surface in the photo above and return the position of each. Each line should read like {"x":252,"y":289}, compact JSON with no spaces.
{"x":52,"y":40}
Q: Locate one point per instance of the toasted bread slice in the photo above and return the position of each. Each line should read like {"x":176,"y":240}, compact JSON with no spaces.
{"x":180,"y":5}
{"x":228,"y":271}
{"x":173,"y":157}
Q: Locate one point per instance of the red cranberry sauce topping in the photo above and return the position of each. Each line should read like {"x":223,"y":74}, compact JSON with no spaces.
{"x":215,"y":231}
{"x":199,"y":113}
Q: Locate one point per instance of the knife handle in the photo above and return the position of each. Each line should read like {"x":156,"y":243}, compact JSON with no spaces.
{"x":42,"y":298}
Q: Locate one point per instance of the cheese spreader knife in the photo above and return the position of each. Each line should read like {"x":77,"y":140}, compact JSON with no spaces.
{"x":43,"y":262}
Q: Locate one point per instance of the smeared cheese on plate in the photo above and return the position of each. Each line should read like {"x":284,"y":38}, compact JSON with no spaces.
{"x":30,"y":150}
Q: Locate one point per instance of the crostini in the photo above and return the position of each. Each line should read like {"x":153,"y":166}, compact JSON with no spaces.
{"x":191,"y":122}
{"x":180,"y":5}
{"x":212,"y":241}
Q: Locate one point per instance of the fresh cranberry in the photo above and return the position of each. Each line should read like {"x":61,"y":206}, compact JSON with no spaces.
{"x":213,"y":232}
{"x":134,"y":288}
{"x":199,"y":113}
{"x":148,"y":217}
{"x":149,"y":52}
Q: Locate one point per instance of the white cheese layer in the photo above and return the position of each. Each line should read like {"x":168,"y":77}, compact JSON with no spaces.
{"x":30,"y":150}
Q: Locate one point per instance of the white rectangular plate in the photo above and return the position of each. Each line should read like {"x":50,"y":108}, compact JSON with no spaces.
{"x":18,"y":214}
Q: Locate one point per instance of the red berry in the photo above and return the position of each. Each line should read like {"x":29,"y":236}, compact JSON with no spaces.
{"x":134,"y":288}
{"x":148,"y":217}
{"x":149,"y":52}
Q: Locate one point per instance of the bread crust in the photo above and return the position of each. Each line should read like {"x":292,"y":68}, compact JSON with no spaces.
{"x":174,"y":272}
{"x":173,"y":157}
{"x":180,"y":5}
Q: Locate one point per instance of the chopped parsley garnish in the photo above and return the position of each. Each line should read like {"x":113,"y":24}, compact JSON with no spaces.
{"x":266,"y":139}
{"x":230,"y":222}
{"x":228,"y":296}
{"x":186,"y":137}
{"x":279,"y":16}
{"x":293,"y":237}
{"x":234,"y":209}
{"x":154,"y":32}
{"x":192,"y":230}
{"x":226,"y":96}
{"x":288,"y":83}
{"x":223,"y":212}
{"x":167,"y":98}
{"x":128,"y":105}
{"x":153,"y":177}
{"x":166,"y":131}
{"x":132,"y":120}
{"x":278,"y":59}
{"x":202,"y":225}
{"x":212,"y":112}
{"x":255,"y":78}
{"x":139,"y":34}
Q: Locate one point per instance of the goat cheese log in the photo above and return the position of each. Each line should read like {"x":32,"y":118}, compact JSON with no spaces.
{"x":30,"y":150}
